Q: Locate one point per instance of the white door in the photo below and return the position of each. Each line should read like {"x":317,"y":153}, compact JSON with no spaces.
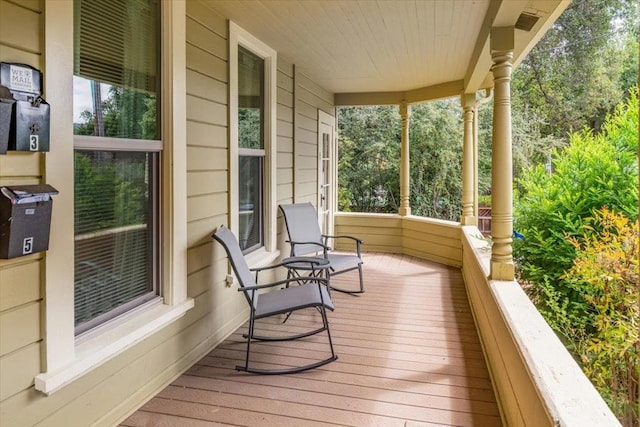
{"x":326,"y":171}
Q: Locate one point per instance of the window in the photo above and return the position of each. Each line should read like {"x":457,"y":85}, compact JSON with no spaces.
{"x":131,"y":158}
{"x":252,"y":103}
{"x":117,"y":157}
{"x":251,"y":149}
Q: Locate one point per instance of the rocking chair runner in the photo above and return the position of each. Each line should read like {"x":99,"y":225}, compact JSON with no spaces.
{"x":305,"y":237}
{"x":285,"y":300}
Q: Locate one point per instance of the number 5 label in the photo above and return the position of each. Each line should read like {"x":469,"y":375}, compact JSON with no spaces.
{"x":27,"y":245}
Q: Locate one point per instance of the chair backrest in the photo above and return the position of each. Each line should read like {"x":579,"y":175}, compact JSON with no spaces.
{"x":230,"y":244}
{"x":302,"y":226}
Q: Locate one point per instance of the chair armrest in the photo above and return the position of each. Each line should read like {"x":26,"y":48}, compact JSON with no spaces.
{"x":281,"y":282}
{"x":343,"y":237}
{"x":309,"y":243}
{"x":358,"y":241}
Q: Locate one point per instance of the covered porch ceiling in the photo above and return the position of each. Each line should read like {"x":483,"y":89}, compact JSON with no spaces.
{"x":390,"y":51}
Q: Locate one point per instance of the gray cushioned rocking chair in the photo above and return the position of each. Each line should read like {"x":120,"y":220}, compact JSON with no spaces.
{"x":305,"y":238}
{"x":287,"y":299}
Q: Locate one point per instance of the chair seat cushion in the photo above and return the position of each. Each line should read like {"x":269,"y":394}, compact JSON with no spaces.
{"x":292,"y":298}
{"x":342,"y":261}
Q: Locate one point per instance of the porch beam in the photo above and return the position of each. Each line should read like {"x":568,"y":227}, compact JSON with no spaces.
{"x":413,"y":96}
{"x":502,"y":45}
{"x":405,"y":166}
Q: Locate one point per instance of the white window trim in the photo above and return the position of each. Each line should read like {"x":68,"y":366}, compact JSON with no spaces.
{"x":240,"y":37}
{"x":65,"y":357}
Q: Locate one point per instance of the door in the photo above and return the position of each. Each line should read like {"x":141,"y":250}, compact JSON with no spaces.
{"x":326,"y":171}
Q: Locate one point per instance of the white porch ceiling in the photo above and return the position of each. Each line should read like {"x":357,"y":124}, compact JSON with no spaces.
{"x":371,"y":46}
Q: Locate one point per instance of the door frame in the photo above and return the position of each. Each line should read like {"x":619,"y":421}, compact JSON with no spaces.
{"x":327,"y":122}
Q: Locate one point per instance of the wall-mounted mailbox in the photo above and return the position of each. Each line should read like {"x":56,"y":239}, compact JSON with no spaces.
{"x":25,"y":219}
{"x":6,"y":111}
{"x":30,"y":123}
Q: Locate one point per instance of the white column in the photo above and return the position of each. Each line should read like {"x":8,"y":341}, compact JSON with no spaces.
{"x":468,"y":160}
{"x":502,"y":268}
{"x":405,"y":207}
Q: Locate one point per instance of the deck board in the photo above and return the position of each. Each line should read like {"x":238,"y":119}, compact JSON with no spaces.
{"x":408,"y":350}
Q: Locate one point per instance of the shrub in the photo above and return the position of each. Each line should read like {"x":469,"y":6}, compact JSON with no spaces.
{"x":607,"y":263}
{"x":593,"y":171}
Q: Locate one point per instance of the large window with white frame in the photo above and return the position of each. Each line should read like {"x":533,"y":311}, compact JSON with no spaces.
{"x":253,"y":141}
{"x":117,"y":147}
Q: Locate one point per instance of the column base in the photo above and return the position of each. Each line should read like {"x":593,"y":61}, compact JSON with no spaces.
{"x":404,"y":211}
{"x":468,"y":220}
{"x":502,"y":271}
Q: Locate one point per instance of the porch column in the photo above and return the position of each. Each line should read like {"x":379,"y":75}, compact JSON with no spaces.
{"x":405,"y":207}
{"x":468,"y":160}
{"x":502,"y":268}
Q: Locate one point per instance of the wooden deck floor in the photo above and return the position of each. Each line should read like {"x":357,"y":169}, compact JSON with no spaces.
{"x":408,"y":355}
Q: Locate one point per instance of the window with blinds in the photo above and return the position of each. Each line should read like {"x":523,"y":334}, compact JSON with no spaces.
{"x":117,"y":157}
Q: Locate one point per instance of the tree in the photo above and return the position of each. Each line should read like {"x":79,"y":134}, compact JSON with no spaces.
{"x":368,"y":159}
{"x":581,"y":68}
{"x":435,"y":139}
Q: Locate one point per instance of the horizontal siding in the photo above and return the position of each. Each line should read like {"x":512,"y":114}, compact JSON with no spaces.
{"x":19,"y":327}
{"x":19,"y":369}
{"x":205,"y":63}
{"x":13,"y":54}
{"x":15,"y":164}
{"x":207,"y":135}
{"x":20,"y":278}
{"x":19,"y":284}
{"x":285,"y":118}
{"x":206,"y":87}
{"x":20,"y":27}
{"x":309,"y":98}
{"x":434,"y":240}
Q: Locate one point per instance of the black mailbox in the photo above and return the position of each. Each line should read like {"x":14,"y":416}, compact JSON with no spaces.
{"x":6,"y":111}
{"x":29,"y":129}
{"x":25,"y":219}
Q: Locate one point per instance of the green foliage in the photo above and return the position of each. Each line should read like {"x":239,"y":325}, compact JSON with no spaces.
{"x":368,"y":159}
{"x":582,"y":66}
{"x":580,"y":265}
{"x":126,"y":113}
{"x":606,"y":264}
{"x":592,"y":172}
{"x":435,"y":137}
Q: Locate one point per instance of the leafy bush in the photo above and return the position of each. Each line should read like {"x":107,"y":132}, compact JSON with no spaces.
{"x":579,"y":261}
{"x":607,"y":263}
{"x":594,"y":171}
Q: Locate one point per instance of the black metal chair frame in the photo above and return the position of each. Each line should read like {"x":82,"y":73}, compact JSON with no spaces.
{"x":321,"y":245}
{"x":284,"y":300}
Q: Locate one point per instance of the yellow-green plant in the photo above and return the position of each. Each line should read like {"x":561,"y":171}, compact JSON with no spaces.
{"x":607,"y":262}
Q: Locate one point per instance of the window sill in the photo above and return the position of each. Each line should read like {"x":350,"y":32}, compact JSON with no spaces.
{"x":261,"y":258}
{"x":106,"y":342}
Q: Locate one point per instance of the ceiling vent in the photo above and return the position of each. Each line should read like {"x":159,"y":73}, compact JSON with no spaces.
{"x":526,"y":21}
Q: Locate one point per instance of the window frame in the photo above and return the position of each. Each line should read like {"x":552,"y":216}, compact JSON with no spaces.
{"x":66,"y":357}
{"x":240,"y":37}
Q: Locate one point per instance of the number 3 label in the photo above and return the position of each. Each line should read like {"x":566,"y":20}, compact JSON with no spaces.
{"x":33,"y":142}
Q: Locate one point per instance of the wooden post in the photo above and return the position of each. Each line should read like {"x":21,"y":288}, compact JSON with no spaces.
{"x":468,"y":160}
{"x":502,"y":267}
{"x":405,"y":207}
